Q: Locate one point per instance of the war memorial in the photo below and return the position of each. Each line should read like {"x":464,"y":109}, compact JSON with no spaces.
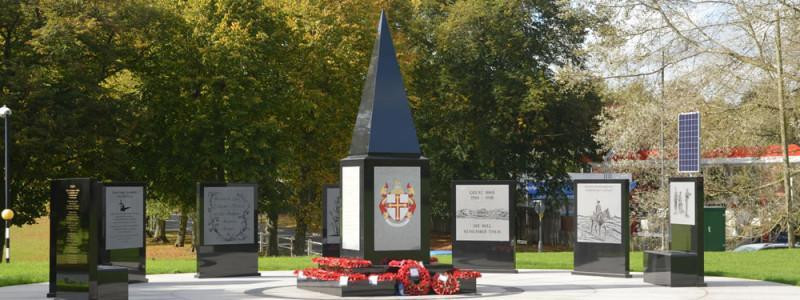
{"x":376,"y":231}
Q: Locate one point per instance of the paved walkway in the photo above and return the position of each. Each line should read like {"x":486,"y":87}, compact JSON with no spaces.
{"x":528,"y":284}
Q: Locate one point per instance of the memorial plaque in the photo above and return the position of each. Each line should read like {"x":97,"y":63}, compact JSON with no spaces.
{"x":331,"y":220}
{"x":603,"y":234}
{"x":482,"y":218}
{"x":351,"y":208}
{"x":228,"y":237}
{"x":123,"y":239}
{"x":681,"y":203}
{"x":397,"y":207}
{"x":229,"y":215}
{"x":482,"y":212}
{"x":72,"y":255}
{"x":600,"y":213}
{"x":124,"y":219}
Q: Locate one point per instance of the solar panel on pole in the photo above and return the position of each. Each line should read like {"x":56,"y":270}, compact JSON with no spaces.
{"x":689,"y":142}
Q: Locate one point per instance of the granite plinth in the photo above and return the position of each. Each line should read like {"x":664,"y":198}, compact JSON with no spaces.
{"x":496,"y":253}
{"x":484,"y":257}
{"x":227,"y":260}
{"x":112,"y":283}
{"x":331,"y":250}
{"x":134,"y":260}
{"x":595,"y":254}
{"x":354,"y":288}
{"x":383,"y":288}
{"x":672,"y":268}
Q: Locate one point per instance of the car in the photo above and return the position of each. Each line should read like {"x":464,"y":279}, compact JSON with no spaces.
{"x":762,"y":246}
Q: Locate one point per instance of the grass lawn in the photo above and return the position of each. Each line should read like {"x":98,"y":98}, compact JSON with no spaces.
{"x":29,"y":260}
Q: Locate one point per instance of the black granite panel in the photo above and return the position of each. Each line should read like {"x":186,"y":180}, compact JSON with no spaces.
{"x":672,"y":268}
{"x":367,"y":245}
{"x":485,"y":256}
{"x":112,"y":283}
{"x":135,"y":259}
{"x":227,"y":260}
{"x":684,"y":265}
{"x":354,"y":288}
{"x":601,"y":259}
{"x":604,"y":259}
{"x":71,"y":237}
{"x":331,"y":250}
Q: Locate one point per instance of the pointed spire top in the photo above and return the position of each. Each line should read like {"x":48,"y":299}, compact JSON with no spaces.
{"x":384,"y":125}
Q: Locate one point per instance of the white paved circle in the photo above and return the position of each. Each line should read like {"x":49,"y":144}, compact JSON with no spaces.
{"x":528,"y":284}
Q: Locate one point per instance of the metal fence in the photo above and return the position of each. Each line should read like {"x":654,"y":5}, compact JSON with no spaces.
{"x":286,"y":245}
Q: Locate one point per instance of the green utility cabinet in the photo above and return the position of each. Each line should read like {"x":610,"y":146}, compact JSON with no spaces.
{"x":714,"y":235}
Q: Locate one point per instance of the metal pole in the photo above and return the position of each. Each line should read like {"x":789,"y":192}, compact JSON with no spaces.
{"x":661,"y":150}
{"x":7,"y":169}
{"x":540,"y":231}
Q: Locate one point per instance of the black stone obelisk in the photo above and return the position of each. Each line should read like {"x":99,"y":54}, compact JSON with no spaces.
{"x":385,"y":213}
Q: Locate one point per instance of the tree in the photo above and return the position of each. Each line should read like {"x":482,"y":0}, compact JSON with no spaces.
{"x":61,"y":68}
{"x":487,"y":99}
{"x":725,"y":48}
{"x":212,"y":99}
{"x":327,"y":69}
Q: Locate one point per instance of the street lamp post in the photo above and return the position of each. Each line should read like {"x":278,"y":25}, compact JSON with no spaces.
{"x":538,"y":206}
{"x":7,"y":213}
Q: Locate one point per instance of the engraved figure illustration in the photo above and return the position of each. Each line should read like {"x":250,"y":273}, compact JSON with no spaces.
{"x":599,"y":220}
{"x":333,"y":216}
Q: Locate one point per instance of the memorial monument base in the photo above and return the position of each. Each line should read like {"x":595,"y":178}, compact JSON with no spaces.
{"x":331,"y":250}
{"x":356,"y":288}
{"x":227,"y":261}
{"x":672,"y":268}
{"x":112,"y":283}
{"x":363,"y":288}
{"x":602,"y":274}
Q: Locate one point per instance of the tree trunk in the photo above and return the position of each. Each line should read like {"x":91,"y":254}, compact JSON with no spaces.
{"x":272,"y":229}
{"x":148,"y":229}
{"x":787,"y":186}
{"x":179,"y":242}
{"x":161,"y":232}
{"x":301,"y":230}
{"x":299,"y":244}
{"x":194,"y":234}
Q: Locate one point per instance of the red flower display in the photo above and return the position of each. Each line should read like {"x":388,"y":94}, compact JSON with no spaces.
{"x":341,"y":262}
{"x":333,"y":268}
{"x":445,"y":284}
{"x":320,"y":274}
{"x":466,"y":274}
{"x":404,"y":277}
{"x":387,"y":276}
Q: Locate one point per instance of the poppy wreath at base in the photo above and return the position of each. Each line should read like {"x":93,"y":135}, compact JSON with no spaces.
{"x":422,"y":286}
{"x":445,"y":284}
